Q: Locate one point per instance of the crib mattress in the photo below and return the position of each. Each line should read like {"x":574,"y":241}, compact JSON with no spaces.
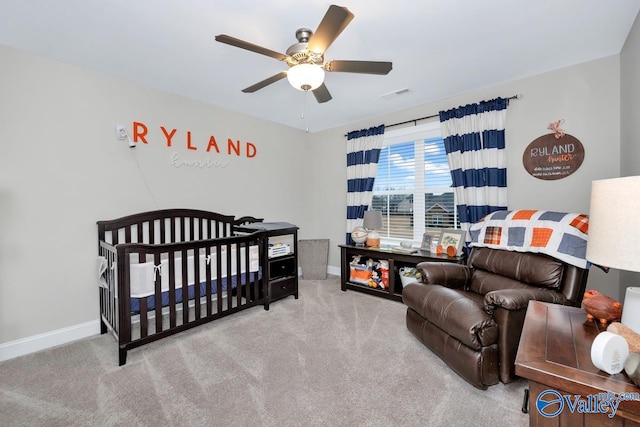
{"x":151,"y":299}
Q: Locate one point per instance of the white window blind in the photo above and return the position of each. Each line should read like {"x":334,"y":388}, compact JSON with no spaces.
{"x":412,"y":188}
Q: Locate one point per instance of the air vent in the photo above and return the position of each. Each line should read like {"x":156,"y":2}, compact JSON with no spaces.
{"x":395,"y":93}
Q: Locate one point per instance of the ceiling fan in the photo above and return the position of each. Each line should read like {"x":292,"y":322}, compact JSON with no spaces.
{"x":306,"y":58}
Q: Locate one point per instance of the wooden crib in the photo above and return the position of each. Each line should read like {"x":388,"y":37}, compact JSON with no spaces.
{"x":165,"y":271}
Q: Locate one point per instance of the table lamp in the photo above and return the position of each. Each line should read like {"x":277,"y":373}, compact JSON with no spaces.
{"x":614,"y":235}
{"x":372,"y":220}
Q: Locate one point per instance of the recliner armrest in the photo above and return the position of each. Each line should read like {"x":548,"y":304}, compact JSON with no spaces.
{"x":518,"y":298}
{"x":447,"y":274}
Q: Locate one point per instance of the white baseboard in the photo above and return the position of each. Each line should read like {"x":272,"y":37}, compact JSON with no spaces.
{"x":334,"y":271}
{"x":28,"y":345}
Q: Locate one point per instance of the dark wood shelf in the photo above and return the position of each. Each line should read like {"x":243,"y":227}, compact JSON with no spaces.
{"x":396,"y":260}
{"x":281,"y":271}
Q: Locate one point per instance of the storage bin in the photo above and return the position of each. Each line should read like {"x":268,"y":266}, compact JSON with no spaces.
{"x":314,"y":258}
{"x":359,"y":273}
{"x":409,"y":275}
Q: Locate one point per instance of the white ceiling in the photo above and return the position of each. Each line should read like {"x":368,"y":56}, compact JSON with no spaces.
{"x":439,"y":48}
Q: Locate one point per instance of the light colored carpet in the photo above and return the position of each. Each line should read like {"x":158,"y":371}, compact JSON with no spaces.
{"x":330,"y":358}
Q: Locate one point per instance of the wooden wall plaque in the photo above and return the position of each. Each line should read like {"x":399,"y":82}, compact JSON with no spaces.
{"x":550,"y":158}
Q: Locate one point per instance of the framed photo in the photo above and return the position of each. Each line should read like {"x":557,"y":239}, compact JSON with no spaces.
{"x":453,"y":238}
{"x":430,"y":239}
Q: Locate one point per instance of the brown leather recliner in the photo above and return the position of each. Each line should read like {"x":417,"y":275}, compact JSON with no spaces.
{"x":471,"y":315}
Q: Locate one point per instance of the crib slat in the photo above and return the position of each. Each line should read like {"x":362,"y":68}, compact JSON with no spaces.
{"x":196,"y":283}
{"x":158,"y":294}
{"x":172,"y":289}
{"x":185,"y":289}
{"x":172,"y":229}
{"x":163,"y":230}
{"x":228,"y":259}
{"x":152,"y":229}
{"x":239,"y":281}
{"x":144,"y":318}
{"x":219,"y":277}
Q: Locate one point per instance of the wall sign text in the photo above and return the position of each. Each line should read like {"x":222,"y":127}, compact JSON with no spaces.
{"x":549,"y":157}
{"x":173,"y":138}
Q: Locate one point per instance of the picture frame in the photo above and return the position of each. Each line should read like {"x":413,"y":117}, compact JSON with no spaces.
{"x":430,"y":239}
{"x":451,"y":237}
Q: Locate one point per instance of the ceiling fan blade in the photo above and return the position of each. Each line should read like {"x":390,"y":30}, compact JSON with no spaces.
{"x":334,"y":21}
{"x":364,"y":67}
{"x":223,"y":38}
{"x":322,"y":94}
{"x":266,"y":82}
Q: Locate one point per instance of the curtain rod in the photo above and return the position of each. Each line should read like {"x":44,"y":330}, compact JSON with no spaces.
{"x":517,"y":96}
{"x":414,"y":121}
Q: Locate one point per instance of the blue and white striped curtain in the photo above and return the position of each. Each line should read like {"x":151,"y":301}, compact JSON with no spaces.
{"x":474,"y":142}
{"x":363,"y":153}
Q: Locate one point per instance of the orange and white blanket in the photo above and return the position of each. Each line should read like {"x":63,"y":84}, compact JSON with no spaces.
{"x":558,"y":234}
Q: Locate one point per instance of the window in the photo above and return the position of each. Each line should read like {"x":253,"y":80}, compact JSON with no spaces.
{"x":413,"y":184}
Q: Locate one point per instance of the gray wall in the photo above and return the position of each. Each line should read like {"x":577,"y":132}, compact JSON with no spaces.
{"x":629,"y":123}
{"x":587,"y":96}
{"x":62,"y":170}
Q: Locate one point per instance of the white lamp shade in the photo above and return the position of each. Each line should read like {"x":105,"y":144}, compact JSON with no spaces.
{"x":614,"y":233}
{"x":631,"y":309}
{"x":305,"y":76}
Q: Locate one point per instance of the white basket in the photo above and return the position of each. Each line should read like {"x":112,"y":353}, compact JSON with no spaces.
{"x":407,"y":277}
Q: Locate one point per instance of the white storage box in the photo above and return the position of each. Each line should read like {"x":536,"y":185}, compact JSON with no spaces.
{"x":278,"y":249}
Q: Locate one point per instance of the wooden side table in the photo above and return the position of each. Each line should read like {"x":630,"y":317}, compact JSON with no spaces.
{"x":555,"y":354}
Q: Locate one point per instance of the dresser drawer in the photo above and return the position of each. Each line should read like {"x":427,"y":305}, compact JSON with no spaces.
{"x":282,"y":267}
{"x":283,"y":288}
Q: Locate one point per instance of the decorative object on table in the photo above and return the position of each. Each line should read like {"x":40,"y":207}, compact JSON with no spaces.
{"x":455,"y":238}
{"x":601,"y":307}
{"x":405,"y":248}
{"x":614,"y":235}
{"x":372,"y":220}
{"x":609,"y":352}
{"x":430,"y":239}
{"x":359,"y":235}
{"x":632,"y":338}
{"x":553,"y":156}
{"x":409,"y":275}
{"x":632,"y":367}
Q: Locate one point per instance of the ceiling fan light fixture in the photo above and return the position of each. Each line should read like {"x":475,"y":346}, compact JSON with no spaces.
{"x":305,"y":76}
